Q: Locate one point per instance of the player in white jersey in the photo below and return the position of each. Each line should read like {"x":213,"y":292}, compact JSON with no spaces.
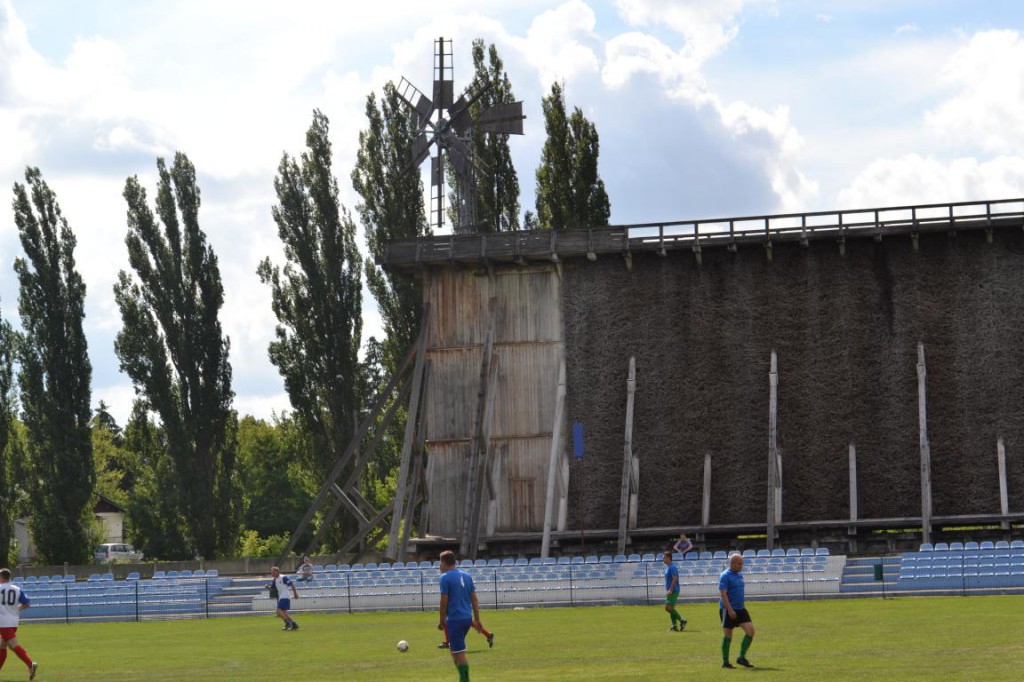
{"x":279,"y":590}
{"x":12,"y":601}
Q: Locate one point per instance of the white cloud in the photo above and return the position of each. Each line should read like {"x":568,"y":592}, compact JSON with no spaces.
{"x":916,"y":179}
{"x":907,"y":28}
{"x":988,"y":107}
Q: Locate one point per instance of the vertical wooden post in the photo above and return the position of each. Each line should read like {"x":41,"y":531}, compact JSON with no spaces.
{"x":926,"y":457}
{"x":853,"y":482}
{"x":553,"y":461}
{"x":410,"y":432}
{"x":627,"y":457}
{"x":563,"y":493}
{"x":778,"y":487}
{"x":773,"y":446}
{"x":474,"y":470}
{"x":1004,"y":498}
{"x":705,"y":516}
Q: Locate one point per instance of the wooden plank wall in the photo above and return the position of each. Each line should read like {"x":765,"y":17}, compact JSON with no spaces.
{"x":528,"y":346}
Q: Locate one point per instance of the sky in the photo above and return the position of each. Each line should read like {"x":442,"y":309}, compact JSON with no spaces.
{"x":705,"y":109}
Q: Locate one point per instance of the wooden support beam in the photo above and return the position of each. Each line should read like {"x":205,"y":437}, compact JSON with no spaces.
{"x":773,"y":446}
{"x":484,"y":483}
{"x":553,"y":460}
{"x":474,"y":468}
{"x":705,"y":516}
{"x":1004,"y":498}
{"x":853,"y":487}
{"x":926,"y":458}
{"x":627,"y":457}
{"x":343,"y":461}
{"x":410,"y":430}
{"x":563,"y":493}
{"x":413,"y":497}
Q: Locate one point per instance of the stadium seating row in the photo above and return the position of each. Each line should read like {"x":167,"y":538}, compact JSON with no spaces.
{"x":961,"y":546}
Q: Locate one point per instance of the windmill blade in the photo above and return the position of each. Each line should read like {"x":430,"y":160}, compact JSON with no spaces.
{"x":502,"y":118}
{"x":459,"y":118}
{"x":416,"y":100}
{"x":459,"y":112}
{"x":437,"y":169}
{"x":420,"y":149}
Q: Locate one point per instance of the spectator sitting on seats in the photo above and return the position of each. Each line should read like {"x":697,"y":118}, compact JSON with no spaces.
{"x":305,"y":570}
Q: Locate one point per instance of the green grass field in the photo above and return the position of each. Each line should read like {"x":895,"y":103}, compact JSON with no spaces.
{"x":948,"y":638}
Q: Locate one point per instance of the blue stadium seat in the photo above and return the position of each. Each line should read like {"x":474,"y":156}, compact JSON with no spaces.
{"x":359,"y":567}
{"x":605,"y":559}
{"x":647,"y":557}
{"x":956,"y":546}
{"x":592,"y":559}
{"x":522,"y":561}
{"x":792,"y":551}
{"x":93,"y":578}
{"x":565,"y":560}
{"x":56,"y":578}
{"x":371,"y":566}
{"x":43,"y":579}
{"x":720,"y":555}
{"x":31,"y":579}
{"x":1002,"y":544}
{"x":971,"y":546}
{"x":330,"y":568}
{"x":172,"y":574}
{"x":633,"y":558}
{"x":107,"y":576}
{"x":821,"y":551}
{"x":536,"y":561}
{"x":576,"y":560}
{"x":749,"y":554}
{"x":212,"y":573}
{"x":1017,"y":544}
{"x":493,"y":563}
{"x":619,"y":559}
{"x":507,"y":561}
{"x":185,"y":574}
{"x":132,"y":576}
{"x":926,"y":547}
{"x":384,"y":566}
{"x":807,"y":551}
{"x":764,"y":553}
{"x":941,"y":547}
{"x":199,"y":573}
{"x":157,"y":575}
{"x":778,"y":551}
{"x":706,"y":556}
{"x":692,"y":556}
{"x":549,"y":561}
{"x":987,"y":544}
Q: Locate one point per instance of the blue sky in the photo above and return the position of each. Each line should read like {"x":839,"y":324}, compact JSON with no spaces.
{"x":705,"y":108}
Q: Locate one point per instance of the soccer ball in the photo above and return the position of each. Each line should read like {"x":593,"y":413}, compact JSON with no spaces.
{"x":403,"y":646}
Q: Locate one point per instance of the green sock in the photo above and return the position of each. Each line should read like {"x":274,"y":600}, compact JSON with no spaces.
{"x":673,"y":616}
{"x":747,"y":639}
{"x":726,"y":643}
{"x":463,"y":672}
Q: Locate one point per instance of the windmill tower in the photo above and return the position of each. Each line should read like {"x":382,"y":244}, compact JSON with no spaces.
{"x":447,"y":127}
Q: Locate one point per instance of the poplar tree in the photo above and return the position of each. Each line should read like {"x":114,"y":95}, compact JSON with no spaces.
{"x":317,"y":299}
{"x":10,"y":445}
{"x":173,"y":349}
{"x":570,"y":192}
{"x":391,"y":208}
{"x":55,"y":376}
{"x":497,"y":186}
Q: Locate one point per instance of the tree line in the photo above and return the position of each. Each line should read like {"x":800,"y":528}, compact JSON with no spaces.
{"x":195,"y":477}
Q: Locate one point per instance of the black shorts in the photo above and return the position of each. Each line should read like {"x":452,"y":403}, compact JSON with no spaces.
{"x":729,"y":623}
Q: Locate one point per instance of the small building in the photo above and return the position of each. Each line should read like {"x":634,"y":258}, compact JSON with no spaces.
{"x":106,"y":511}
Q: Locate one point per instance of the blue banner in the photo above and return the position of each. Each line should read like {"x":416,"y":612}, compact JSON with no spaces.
{"x":577,"y":440}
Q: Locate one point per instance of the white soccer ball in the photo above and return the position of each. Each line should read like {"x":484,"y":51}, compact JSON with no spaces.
{"x":403,"y":645}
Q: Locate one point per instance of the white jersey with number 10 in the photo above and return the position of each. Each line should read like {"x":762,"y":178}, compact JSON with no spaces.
{"x":11,"y":597}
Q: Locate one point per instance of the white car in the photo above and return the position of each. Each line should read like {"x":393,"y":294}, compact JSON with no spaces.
{"x":115,"y":551}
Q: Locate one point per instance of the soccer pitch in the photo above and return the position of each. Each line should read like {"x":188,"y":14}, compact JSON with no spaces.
{"x":949,"y":638}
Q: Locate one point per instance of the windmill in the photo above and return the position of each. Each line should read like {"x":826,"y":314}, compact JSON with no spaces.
{"x":447,"y":127}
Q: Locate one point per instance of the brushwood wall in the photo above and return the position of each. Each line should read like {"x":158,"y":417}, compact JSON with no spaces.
{"x":846,"y":329}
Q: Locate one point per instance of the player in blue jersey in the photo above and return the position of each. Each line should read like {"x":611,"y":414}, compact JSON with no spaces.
{"x":733,"y":612}
{"x":459,"y":610}
{"x":672,"y":592}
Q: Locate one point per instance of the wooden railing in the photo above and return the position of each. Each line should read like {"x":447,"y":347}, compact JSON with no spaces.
{"x":554,"y":245}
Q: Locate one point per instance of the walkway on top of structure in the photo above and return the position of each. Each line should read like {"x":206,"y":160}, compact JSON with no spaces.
{"x":555,"y":245}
